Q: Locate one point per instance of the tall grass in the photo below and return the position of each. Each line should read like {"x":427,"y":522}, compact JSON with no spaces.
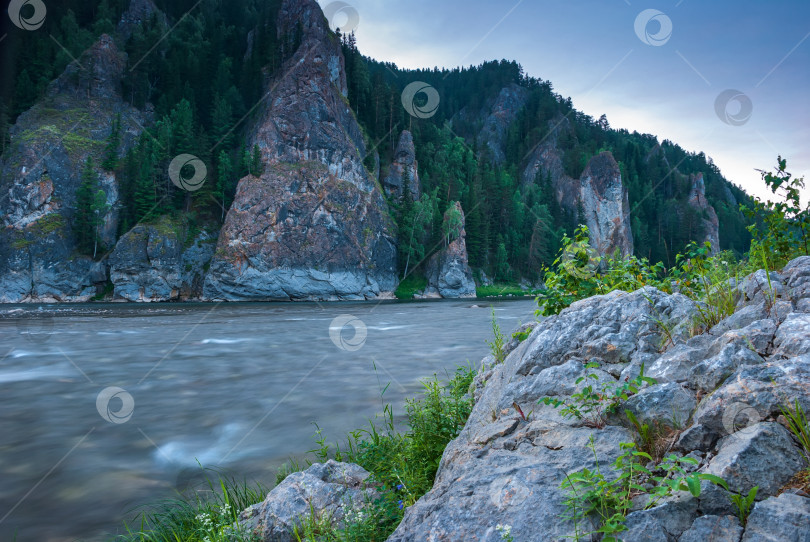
{"x":198,"y":518}
{"x":799,"y":426}
{"x":403,"y":464}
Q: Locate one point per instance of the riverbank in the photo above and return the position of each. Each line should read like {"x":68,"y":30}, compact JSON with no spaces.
{"x":705,"y":429}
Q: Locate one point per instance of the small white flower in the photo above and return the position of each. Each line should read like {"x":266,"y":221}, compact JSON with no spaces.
{"x":505,"y":530}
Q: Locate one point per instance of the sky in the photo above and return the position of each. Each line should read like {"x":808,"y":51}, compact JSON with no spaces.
{"x":672,"y":77}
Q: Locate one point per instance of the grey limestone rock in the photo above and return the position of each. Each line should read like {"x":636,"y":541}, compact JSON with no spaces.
{"x":761,"y":455}
{"x":330,"y":489}
{"x":713,"y":529}
{"x":785,"y":518}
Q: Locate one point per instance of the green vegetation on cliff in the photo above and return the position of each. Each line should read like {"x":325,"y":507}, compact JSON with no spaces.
{"x":204,"y":78}
{"x":514,"y":224}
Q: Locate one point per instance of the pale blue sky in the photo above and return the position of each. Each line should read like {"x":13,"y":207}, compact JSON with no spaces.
{"x":590,"y":51}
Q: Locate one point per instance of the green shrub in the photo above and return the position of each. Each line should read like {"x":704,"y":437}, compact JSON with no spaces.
{"x":708,"y":281}
{"x":578,"y":273}
{"x":410,"y":286}
{"x":782,"y":228}
{"x":594,"y":496}
{"x":592,"y":404}
{"x":403,"y":465}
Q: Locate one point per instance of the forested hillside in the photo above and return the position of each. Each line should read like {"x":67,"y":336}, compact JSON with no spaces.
{"x":513,"y":226}
{"x":198,"y":87}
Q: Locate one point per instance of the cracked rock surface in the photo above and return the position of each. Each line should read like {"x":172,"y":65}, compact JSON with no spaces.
{"x":725,"y":387}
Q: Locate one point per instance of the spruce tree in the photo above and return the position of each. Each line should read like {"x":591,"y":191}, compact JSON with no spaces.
{"x":91,"y":206}
{"x":110,"y":161}
{"x":256,"y":167}
{"x":224,"y":181}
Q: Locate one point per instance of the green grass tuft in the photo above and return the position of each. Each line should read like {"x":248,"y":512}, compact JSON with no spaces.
{"x":198,"y":518}
{"x":504,"y":290}
{"x":410,"y":286}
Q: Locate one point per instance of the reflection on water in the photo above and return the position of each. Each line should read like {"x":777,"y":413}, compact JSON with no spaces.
{"x":236,"y":386}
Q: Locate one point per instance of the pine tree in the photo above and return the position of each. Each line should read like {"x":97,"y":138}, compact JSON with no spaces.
{"x":224,"y":181}
{"x":256,"y":167}
{"x":451,"y":224}
{"x":221,"y":120}
{"x":4,"y":125}
{"x":405,"y":220}
{"x":110,"y":161}
{"x":182,"y":128}
{"x":91,"y":206}
{"x":145,"y":190}
{"x":502,"y":272}
{"x":99,"y":209}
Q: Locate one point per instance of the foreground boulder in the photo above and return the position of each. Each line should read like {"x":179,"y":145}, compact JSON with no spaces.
{"x":506,"y":467}
{"x":329,"y":490}
{"x":777,"y":519}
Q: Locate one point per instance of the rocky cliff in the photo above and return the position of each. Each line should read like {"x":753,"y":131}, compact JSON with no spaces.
{"x":720,"y":393}
{"x":708,"y":217}
{"x":448,"y":271}
{"x":546,"y":159}
{"x":499,"y":118}
{"x":153,"y":262}
{"x":315,"y":224}
{"x":404,"y":166}
{"x":40,"y":172}
{"x":605,"y":205}
{"x":599,"y":192}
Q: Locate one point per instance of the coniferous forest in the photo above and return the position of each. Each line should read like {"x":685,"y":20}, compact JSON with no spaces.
{"x":211,"y":69}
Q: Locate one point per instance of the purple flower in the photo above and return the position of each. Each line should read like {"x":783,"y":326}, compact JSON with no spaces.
{"x":400,"y":486}
{"x":400,"y":504}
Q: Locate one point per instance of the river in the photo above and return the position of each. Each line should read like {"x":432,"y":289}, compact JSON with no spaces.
{"x":106,"y":407}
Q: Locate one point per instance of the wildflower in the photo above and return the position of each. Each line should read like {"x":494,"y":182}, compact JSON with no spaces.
{"x":400,"y":504}
{"x":400,"y":486}
{"x":505,"y":530}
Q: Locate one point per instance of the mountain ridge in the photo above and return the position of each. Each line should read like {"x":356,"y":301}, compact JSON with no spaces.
{"x":522,"y":165}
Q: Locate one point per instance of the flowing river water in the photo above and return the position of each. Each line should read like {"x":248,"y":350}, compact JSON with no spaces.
{"x":107,"y":407}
